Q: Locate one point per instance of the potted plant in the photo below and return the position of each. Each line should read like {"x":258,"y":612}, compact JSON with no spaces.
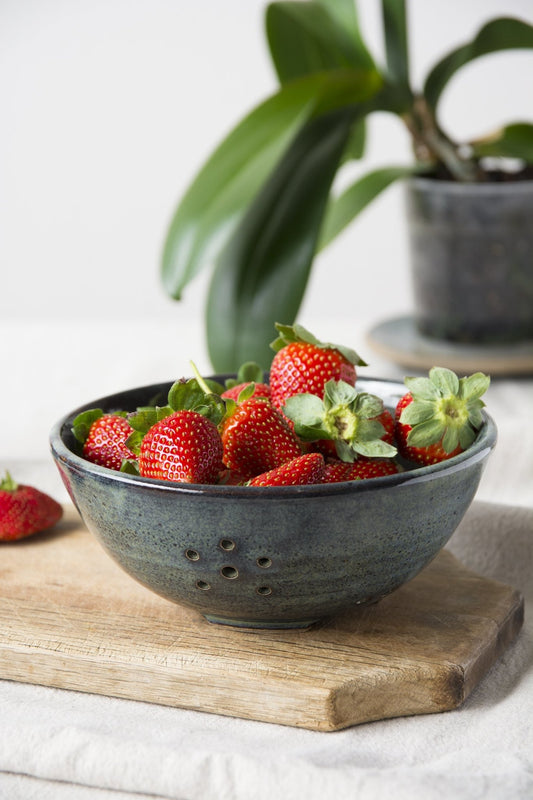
{"x":262,"y":206}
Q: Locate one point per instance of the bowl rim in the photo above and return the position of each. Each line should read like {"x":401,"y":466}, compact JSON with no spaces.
{"x":62,"y":453}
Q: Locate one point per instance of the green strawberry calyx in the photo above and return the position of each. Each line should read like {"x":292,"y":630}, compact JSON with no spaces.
{"x":249,"y":372}
{"x":445,"y":409}
{"x":345,"y":416}
{"x":297,"y":333}
{"x":7,"y":484}
{"x":195,"y":394}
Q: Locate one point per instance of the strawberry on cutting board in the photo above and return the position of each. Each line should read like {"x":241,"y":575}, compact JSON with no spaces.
{"x":25,"y":510}
{"x":303,"y":364}
{"x":439,"y":416}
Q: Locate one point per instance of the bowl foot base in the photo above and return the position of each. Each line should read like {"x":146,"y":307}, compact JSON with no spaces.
{"x":260,"y":623}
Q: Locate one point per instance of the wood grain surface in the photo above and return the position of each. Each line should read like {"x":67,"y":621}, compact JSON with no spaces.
{"x":70,"y":618}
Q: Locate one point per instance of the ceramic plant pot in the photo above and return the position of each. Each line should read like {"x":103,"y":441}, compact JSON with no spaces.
{"x":472,"y":259}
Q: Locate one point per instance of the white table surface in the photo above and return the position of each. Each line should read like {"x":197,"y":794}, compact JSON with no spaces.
{"x":69,"y":745}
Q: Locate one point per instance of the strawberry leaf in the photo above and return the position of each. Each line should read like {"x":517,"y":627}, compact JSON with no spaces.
{"x":421,"y":388}
{"x":81,"y":424}
{"x":426,"y":433}
{"x":133,"y":442}
{"x":144,"y":417}
{"x":445,"y":381}
{"x":450,"y":440}
{"x":7,"y":484}
{"x":474,"y":386}
{"x":307,"y":411}
{"x":417,"y":411}
{"x":130,"y":466}
{"x":248,"y":372}
{"x":466,"y":437}
{"x":288,"y":334}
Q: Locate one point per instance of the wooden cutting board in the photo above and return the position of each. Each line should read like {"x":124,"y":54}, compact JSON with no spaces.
{"x":70,"y":618}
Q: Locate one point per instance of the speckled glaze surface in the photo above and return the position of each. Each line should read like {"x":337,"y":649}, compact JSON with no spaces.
{"x":271,"y":557}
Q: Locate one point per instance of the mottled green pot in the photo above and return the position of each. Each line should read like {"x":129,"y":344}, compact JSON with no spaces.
{"x":271,"y":557}
{"x":471,"y":251}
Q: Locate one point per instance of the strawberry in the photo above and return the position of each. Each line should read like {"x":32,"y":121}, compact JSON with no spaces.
{"x":184,"y":446}
{"x":25,"y":510}
{"x":302,"y":364}
{"x":259,"y":390}
{"x":439,"y":416}
{"x":104,"y":442}
{"x":257,"y":438}
{"x":300,"y":471}
{"x":248,"y":373}
{"x":361,"y":469}
{"x":355,"y":422}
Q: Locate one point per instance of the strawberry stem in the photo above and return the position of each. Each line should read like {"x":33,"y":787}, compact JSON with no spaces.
{"x":7,"y":484}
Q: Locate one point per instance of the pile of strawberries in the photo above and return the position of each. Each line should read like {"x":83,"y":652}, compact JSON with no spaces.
{"x":309,"y":424}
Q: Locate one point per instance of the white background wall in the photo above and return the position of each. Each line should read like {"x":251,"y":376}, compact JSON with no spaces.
{"x":110,"y":106}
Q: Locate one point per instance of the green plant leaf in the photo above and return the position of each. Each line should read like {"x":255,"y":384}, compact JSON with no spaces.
{"x":513,"y":141}
{"x":218,"y":196}
{"x":262,"y":274}
{"x":304,"y":37}
{"x":504,"y":33}
{"x":342,"y":210}
{"x":396,"y":43}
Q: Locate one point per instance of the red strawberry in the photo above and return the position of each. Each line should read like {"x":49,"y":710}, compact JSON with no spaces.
{"x":300,"y":471}
{"x":363,"y":468}
{"x":248,"y":373}
{"x":440,"y":415}
{"x":106,"y":441}
{"x":25,"y":510}
{"x":257,"y":438}
{"x":302,"y":364}
{"x":184,"y":447}
{"x":260,"y":390}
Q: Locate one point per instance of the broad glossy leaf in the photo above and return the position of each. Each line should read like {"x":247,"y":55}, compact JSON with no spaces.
{"x":344,"y":12}
{"x":262,"y":273}
{"x":304,"y":37}
{"x":342,"y":210}
{"x":215,"y":201}
{"x":513,"y":141}
{"x":504,"y":33}
{"x":396,"y":43}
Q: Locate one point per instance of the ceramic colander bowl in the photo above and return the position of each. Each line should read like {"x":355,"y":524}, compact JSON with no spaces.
{"x":271,"y":557}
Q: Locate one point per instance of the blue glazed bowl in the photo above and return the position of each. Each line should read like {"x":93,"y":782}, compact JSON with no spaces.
{"x":276,"y":557}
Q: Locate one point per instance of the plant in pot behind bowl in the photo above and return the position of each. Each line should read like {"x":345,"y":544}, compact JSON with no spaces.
{"x":263,"y":204}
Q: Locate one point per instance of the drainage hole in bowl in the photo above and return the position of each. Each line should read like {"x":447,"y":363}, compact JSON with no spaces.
{"x":264,"y":562}
{"x":192,"y":555}
{"x":202,"y":585}
{"x":229,"y":572}
{"x":227,"y":545}
{"x":264,"y":591}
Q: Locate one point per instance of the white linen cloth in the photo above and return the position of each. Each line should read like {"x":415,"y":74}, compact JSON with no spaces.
{"x":127,"y":749}
{"x":61,"y":745}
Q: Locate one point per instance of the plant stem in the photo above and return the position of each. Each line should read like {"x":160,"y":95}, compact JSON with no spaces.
{"x":432,"y":146}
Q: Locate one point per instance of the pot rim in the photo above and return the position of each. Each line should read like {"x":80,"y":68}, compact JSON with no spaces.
{"x":426,"y":183}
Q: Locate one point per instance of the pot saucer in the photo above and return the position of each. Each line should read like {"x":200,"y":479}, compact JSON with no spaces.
{"x":399,"y":340}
